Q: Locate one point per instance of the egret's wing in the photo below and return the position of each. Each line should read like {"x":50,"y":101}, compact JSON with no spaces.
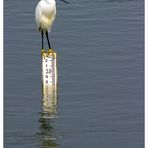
{"x":45,"y":15}
{"x":38,"y":14}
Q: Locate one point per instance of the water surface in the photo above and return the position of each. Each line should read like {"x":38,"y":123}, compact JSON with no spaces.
{"x":100,"y":47}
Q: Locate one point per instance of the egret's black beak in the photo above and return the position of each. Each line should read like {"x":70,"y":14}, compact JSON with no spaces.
{"x":65,"y":1}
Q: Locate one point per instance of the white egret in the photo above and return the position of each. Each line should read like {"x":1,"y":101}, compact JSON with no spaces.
{"x":45,"y":14}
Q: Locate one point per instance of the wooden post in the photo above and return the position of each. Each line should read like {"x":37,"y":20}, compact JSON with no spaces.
{"x":49,"y":82}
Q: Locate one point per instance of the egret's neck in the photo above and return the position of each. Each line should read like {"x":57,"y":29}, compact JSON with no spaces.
{"x":49,"y":1}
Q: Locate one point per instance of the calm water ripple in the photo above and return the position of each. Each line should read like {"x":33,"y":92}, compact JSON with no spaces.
{"x":100,"y":47}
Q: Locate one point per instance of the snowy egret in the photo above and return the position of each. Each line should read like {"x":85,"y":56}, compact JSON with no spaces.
{"x":45,"y":14}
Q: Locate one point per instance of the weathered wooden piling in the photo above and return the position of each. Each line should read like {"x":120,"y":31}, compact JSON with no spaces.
{"x":49,"y":82}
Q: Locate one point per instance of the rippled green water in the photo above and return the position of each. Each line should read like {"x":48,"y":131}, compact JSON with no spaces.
{"x":100,"y":47}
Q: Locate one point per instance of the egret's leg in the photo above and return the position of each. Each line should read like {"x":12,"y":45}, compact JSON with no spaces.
{"x":48,"y":40}
{"x":42,"y":40}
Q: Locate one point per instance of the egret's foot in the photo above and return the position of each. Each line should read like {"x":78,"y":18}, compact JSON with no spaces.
{"x":51,"y":51}
{"x":43,"y":53}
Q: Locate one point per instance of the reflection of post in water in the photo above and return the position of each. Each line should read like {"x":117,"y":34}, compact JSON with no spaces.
{"x":47,"y":136}
{"x":49,"y":86}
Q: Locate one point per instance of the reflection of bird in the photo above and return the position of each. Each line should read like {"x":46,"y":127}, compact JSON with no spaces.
{"x":45,"y":15}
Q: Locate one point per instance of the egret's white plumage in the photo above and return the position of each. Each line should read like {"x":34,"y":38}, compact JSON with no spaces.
{"x":45,"y":14}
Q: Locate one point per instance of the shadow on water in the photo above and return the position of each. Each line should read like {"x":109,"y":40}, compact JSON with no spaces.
{"x":46,"y":135}
{"x":47,"y":138}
